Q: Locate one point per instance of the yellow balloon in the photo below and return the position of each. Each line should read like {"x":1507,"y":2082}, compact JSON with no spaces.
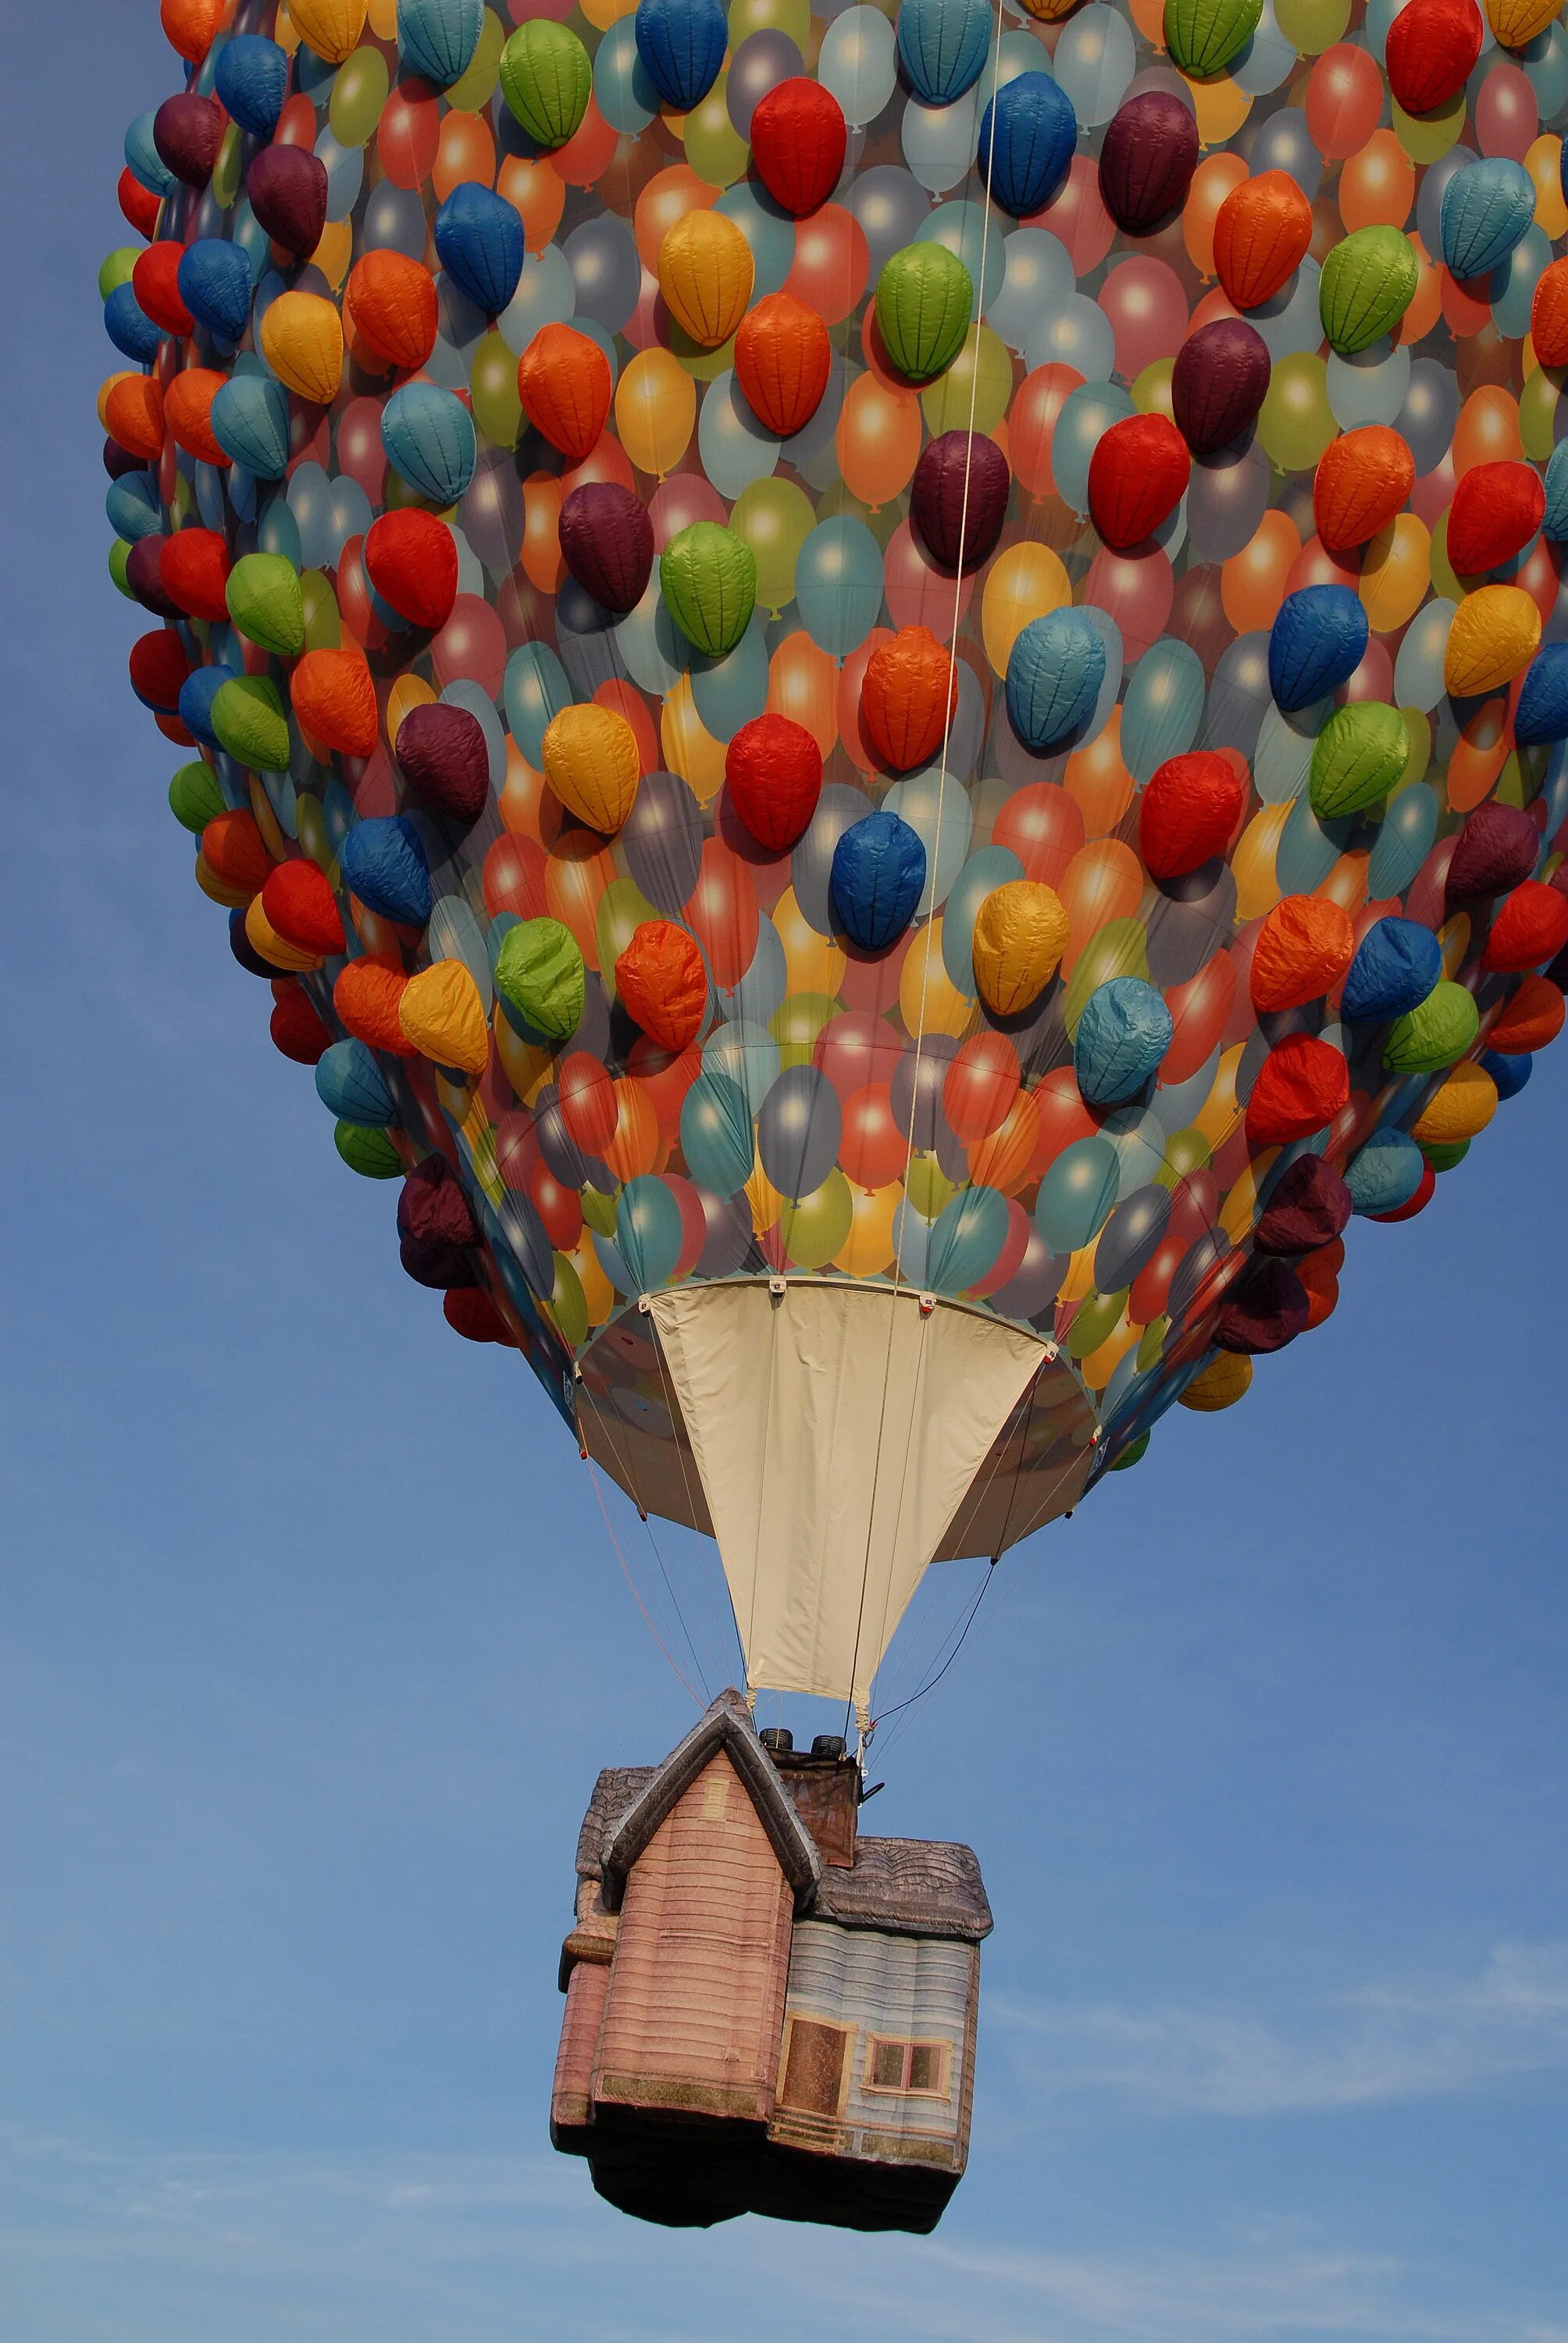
{"x":1543,"y":162}
{"x":775,"y":517}
{"x":1020,"y":933}
{"x":1311,"y":26}
{"x":868,"y":1249}
{"x":764,"y":1198}
{"x":527,"y":1065}
{"x":1538,"y":404}
{"x":1295,"y":422}
{"x":1496,"y":632}
{"x":690,"y":749}
{"x":1226,"y":1379}
{"x":476,"y":87}
{"x":812,"y":964}
{"x":359,"y":90}
{"x":1395,"y":573}
{"x":598,"y":1293}
{"x":978,"y":383}
{"x":1517,"y":21}
{"x":492,"y":387}
{"x":592,"y":765}
{"x":443,"y":1016}
{"x":1221,"y":106}
{"x":331,"y":28}
{"x":1427,"y":137}
{"x":1463,"y":1106}
{"x":815,"y":1228}
{"x":655,"y":411}
{"x":334,"y":253}
{"x":929,"y":999}
{"x":1252,"y":863}
{"x":1454,"y":942}
{"x":1099,"y":1364}
{"x":1151,"y":391}
{"x":302,"y":342}
{"x":1028,"y":581}
{"x":1221,"y":1110}
{"x":705,"y":274}
{"x":264,"y":938}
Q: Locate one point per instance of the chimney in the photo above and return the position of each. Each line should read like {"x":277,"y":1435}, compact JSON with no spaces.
{"x":823,"y":1786}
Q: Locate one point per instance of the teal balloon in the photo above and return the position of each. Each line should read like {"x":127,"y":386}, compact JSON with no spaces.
{"x":1369,"y":388}
{"x":736,"y":450}
{"x":277,"y":528}
{"x":438,"y":38}
{"x":535,"y":688}
{"x":730,"y":691}
{"x":250,"y":422}
{"x":940,"y":817}
{"x":1095,"y":59}
{"x":1077,"y":1193}
{"x":1087,"y":414}
{"x":966,"y":1240}
{"x":770,"y":232}
{"x":546,"y":294}
{"x":647,"y":1230}
{"x":1545,"y":60}
{"x":992,"y":867}
{"x":1037,"y":280}
{"x":963,"y":230}
{"x":748,"y":1055}
{"x":1309,"y":847}
{"x":1164,"y":707}
{"x":838,"y":584}
{"x":939,"y":141}
{"x":1075,"y":333}
{"x":428,"y":436}
{"x":716,"y":1133}
{"x":622,"y":90}
{"x":911,"y":1244}
{"x":1282,"y":760}
{"x":1404,"y":840}
{"x":1514,"y":283}
{"x":1418,"y":668}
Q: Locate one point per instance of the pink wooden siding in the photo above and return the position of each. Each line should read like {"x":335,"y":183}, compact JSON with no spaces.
{"x":695,"y":2001}
{"x":586,"y":1990}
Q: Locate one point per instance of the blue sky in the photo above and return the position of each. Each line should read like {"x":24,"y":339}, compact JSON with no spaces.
{"x":313,"y":1639}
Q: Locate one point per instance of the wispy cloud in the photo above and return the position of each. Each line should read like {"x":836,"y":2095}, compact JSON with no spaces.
{"x":1399,"y":2039}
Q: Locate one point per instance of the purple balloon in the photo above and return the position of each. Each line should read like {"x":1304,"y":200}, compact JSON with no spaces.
{"x":1495,"y":850}
{"x":1307,"y":1207}
{"x":188,"y":132}
{"x":1147,"y":161}
{"x":607,"y":543}
{"x":437,"y":1227}
{"x":1267,"y":1310}
{"x":445,"y":760}
{"x":957,"y":462}
{"x":142,"y":577}
{"x":288,"y":191}
{"x":1220,"y":380}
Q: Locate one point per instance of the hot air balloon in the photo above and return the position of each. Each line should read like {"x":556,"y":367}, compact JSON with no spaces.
{"x":794,"y":1026}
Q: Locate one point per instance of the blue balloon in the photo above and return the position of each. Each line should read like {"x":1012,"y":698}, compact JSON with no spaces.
{"x":681,"y":44}
{"x":1404,"y":840}
{"x":428,"y":436}
{"x":133,"y":506}
{"x":144,"y":162}
{"x":1054,"y":672}
{"x":252,"y":81}
{"x":716,"y":1133}
{"x":1131,"y":1237}
{"x":198,"y":692}
{"x":967,"y":1237}
{"x":1555,"y":524}
{"x":535,"y":688}
{"x":942,"y":45}
{"x":129,"y":327}
{"x":799,"y":1130}
{"x":1510,"y":1073}
{"x":838,"y":584}
{"x":1123,"y":1033}
{"x":1317,"y":642}
{"x":647,"y":1230}
{"x":1028,"y":134}
{"x":437,"y":38}
{"x":349,"y":1085}
{"x":383,"y":863}
{"x":1386,"y":1173}
{"x":1076,"y":1194}
{"x":1164,"y":707}
{"x":879,"y":871}
{"x":250,"y":420}
{"x":1486,"y":209}
{"x":1395,"y":967}
{"x":214,"y":283}
{"x":990,"y":867}
{"x":479,"y":242}
{"x":1541,"y":713}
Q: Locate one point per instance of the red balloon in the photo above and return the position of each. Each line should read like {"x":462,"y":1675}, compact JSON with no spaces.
{"x":139,"y":205}
{"x":782,"y":361}
{"x":982,"y":1083}
{"x":1301,"y":1085}
{"x":159,"y":668}
{"x":1146,"y":304}
{"x":1137,"y":591}
{"x":662,"y":982}
{"x":918,"y":593}
{"x":296,"y":1028}
{"x":1432,"y":45}
{"x":1043,"y":827}
{"x":557,"y":1207}
{"x":832,"y":263}
{"x":856,"y":1049}
{"x":873,"y":1150}
{"x":588,"y":1101}
{"x":1345,"y":99}
{"x":412,"y":561}
{"x":301,"y":908}
{"x":471,"y":643}
{"x":1038,"y":400}
{"x":1188,"y":812}
{"x":154,"y":282}
{"x":774,"y":771}
{"x":1200,"y":1011}
{"x":797,"y":141}
{"x":722,"y":913}
{"x":193,"y":565}
{"x":1496,"y":510}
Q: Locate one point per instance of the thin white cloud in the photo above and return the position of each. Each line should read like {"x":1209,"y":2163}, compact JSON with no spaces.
{"x":1413,"y":2038}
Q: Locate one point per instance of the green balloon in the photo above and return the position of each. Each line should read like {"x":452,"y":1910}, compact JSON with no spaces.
{"x":1120,"y":948}
{"x":1367,"y":282}
{"x":796,"y":1024}
{"x":359,"y":91}
{"x":119,"y":567}
{"x":1094,"y":1320}
{"x":815,"y":1228}
{"x":248,"y":716}
{"x":266,"y":602}
{"x":547,"y":80}
{"x":707,"y":577}
{"x":598,"y":1211}
{"x":1444,"y":1154}
{"x":367,"y":1152}
{"x":1203,"y":35}
{"x":492,"y":387}
{"x":195,"y":797}
{"x":775,"y":519}
{"x":924,"y":299}
{"x":1359,"y":754}
{"x":1437,"y":1034}
{"x":569,"y":1303}
{"x":117,"y":269}
{"x":540,"y":973}
{"x":1130,"y":1456}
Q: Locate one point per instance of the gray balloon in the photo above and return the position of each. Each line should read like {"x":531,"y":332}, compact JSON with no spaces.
{"x":1227,"y":496}
{"x":727,"y":1245}
{"x":1427,"y":419}
{"x":919,"y":1077}
{"x":1191,"y":918}
{"x":1284,"y":143}
{"x":1238,"y":695}
{"x":799,"y":1130}
{"x":811,"y":865}
{"x":393,"y":221}
{"x":758,"y":66}
{"x":662,"y":841}
{"x":586,"y":640}
{"x":1034,"y":1284}
{"x":1433,"y":188}
{"x":607,"y":274}
{"x":1130,"y":1237}
{"x":891,"y":205}
{"x":491,"y":512}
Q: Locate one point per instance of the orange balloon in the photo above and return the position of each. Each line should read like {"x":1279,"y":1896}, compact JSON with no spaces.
{"x":803,"y":684}
{"x":189,"y":26}
{"x":668,"y":197}
{"x":1426,"y":302}
{"x":1252,"y":583}
{"x":564,"y":383}
{"x":541,"y":556}
{"x":131,"y":413}
{"x":1103,"y":881}
{"x":1261,"y":237}
{"x":577,"y":869}
{"x":391,"y":305}
{"x":1479,"y":755}
{"x":635,"y":1147}
{"x":1488,"y":430}
{"x":1361,"y":480}
{"x":907,"y":698}
{"x":1216,"y":178}
{"x":832,"y":263}
{"x":879,"y":440}
{"x":1377,"y":186}
{"x":782,"y":361}
{"x":466,"y":153}
{"x":538,"y":195}
{"x":1097,"y":781}
{"x":188,"y":411}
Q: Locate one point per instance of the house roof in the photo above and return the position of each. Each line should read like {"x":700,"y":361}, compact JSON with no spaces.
{"x":726,"y":1725}
{"x":901,"y":1886}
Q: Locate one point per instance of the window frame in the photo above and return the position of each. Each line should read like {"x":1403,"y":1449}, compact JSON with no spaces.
{"x":907,"y":2044}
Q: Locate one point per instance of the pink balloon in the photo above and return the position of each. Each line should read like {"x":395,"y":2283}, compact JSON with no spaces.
{"x":1316,"y":566}
{"x":361,"y":458}
{"x":473,"y":644}
{"x":677,"y":502}
{"x":1076,"y":214}
{"x":918,"y":594}
{"x":1374,"y":679}
{"x":1507,"y":117}
{"x":1148,"y":312}
{"x":1136,"y":589}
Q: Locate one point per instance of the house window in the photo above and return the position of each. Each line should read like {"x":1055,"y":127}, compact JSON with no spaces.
{"x":918,"y":2069}
{"x":815,"y":2058}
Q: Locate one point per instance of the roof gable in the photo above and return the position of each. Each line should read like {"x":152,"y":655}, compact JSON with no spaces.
{"x":726,"y":1725}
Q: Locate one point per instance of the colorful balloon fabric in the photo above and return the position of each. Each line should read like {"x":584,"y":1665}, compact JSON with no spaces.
{"x":907,"y":645}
